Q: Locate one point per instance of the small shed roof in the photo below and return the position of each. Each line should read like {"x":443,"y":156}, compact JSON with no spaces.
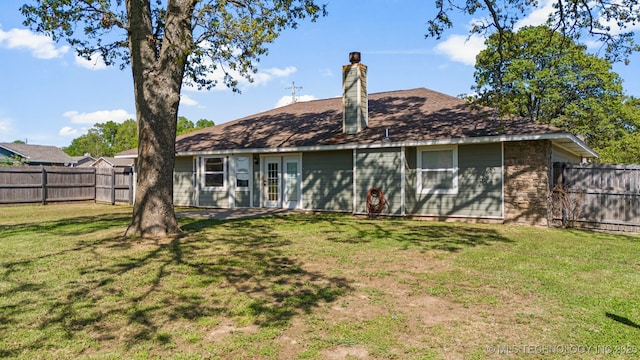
{"x":114,"y":162}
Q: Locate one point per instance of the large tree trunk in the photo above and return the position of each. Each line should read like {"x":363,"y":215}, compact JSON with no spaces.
{"x":158,"y":67}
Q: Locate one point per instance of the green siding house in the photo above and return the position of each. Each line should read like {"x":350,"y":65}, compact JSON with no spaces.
{"x":429,"y":154}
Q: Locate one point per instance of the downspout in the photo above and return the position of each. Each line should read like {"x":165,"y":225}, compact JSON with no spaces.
{"x":355,"y":190}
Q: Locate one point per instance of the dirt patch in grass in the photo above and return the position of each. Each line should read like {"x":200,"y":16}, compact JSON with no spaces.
{"x":307,"y":287}
{"x":221,"y":332}
{"x":344,"y":352}
{"x":392,"y":312}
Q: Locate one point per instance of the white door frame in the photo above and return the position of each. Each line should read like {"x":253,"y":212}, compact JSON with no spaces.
{"x":272,"y":182}
{"x":292,"y":182}
{"x":279,"y":180}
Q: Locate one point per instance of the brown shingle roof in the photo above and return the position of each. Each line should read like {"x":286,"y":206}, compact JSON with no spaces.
{"x":39,"y":153}
{"x":412,"y":116}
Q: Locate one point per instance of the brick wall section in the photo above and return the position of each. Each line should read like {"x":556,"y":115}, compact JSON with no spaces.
{"x":526,"y":182}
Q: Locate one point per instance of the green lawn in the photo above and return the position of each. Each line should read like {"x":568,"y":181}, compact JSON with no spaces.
{"x":311,"y":286}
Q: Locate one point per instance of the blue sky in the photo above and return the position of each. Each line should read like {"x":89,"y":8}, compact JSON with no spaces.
{"x":49,"y":97}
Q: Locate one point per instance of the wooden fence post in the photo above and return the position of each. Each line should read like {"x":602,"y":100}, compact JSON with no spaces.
{"x":44,"y":186}
{"x":95,"y":185}
{"x":564,"y":191}
{"x":113,"y":186}
{"x":130,"y":186}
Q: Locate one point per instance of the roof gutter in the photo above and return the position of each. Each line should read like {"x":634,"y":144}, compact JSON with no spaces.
{"x":579,"y":147}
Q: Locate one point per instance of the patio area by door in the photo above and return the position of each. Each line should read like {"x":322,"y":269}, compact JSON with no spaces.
{"x":281,"y":182}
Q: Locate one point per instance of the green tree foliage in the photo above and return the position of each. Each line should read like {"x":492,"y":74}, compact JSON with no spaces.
{"x":204,"y":123}
{"x":184,"y":125}
{"x":625,"y":146}
{"x":98,"y":141}
{"x":91,"y":143}
{"x":108,"y":139}
{"x":606,"y":21}
{"x":127,"y":136}
{"x":13,"y":160}
{"x":546,"y":77}
{"x":167,"y":43}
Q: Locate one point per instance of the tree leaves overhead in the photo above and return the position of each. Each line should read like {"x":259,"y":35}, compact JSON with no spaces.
{"x":168,"y":43}
{"x":94,"y":19}
{"x":546,"y":77}
{"x":229,"y":36}
{"x":608,"y":21}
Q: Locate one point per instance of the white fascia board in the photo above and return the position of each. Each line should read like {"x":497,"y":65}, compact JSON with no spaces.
{"x":580,"y":147}
{"x":105,"y":160}
{"x":15,"y":152}
{"x":132,"y":156}
{"x":583,"y":148}
{"x":577,"y":143}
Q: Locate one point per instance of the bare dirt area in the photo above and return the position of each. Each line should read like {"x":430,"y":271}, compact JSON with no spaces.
{"x":390,"y":299}
{"x":312,"y":287}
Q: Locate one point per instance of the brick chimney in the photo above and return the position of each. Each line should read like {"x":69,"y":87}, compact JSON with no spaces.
{"x":355,"y":107}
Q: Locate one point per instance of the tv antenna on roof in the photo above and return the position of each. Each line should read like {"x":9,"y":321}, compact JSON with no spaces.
{"x":293,"y":88}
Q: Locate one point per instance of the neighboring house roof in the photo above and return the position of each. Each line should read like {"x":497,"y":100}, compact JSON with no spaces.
{"x":40,"y":154}
{"x":411,"y":117}
{"x":114,"y":162}
{"x":83,"y":161}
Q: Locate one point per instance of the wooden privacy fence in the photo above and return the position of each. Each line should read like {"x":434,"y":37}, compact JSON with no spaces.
{"x":24,"y":184}
{"x":597,"y":196}
{"x":114,"y":185}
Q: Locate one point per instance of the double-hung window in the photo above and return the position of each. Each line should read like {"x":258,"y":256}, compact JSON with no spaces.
{"x":214,"y":172}
{"x":438,"y":170}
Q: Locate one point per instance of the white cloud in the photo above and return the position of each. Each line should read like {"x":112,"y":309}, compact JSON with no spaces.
{"x":5,"y":125}
{"x":42,"y":47}
{"x":461,"y":48}
{"x":187,"y":101}
{"x":95,"y":62}
{"x":613,"y":25}
{"x":263,"y":77}
{"x":326,"y":73}
{"x":286,"y":100}
{"x":400,"y":52}
{"x":464,"y":49}
{"x":537,"y":17}
{"x":541,"y":14}
{"x":68,"y":131}
{"x":280,"y":73}
{"x":266,"y":76}
{"x":95,"y":117}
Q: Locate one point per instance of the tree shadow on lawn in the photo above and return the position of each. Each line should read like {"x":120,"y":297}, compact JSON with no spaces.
{"x":426,"y":235}
{"x":70,"y":227}
{"x":622,"y":320}
{"x":126,"y":291}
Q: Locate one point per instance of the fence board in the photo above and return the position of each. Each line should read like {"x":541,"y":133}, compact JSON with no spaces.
{"x":23,"y":184}
{"x":609,"y":195}
{"x":114,"y":185}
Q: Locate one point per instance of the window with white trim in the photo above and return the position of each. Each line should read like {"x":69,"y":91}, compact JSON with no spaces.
{"x":214,"y":172}
{"x":438,"y":170}
{"x":242,"y":172}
